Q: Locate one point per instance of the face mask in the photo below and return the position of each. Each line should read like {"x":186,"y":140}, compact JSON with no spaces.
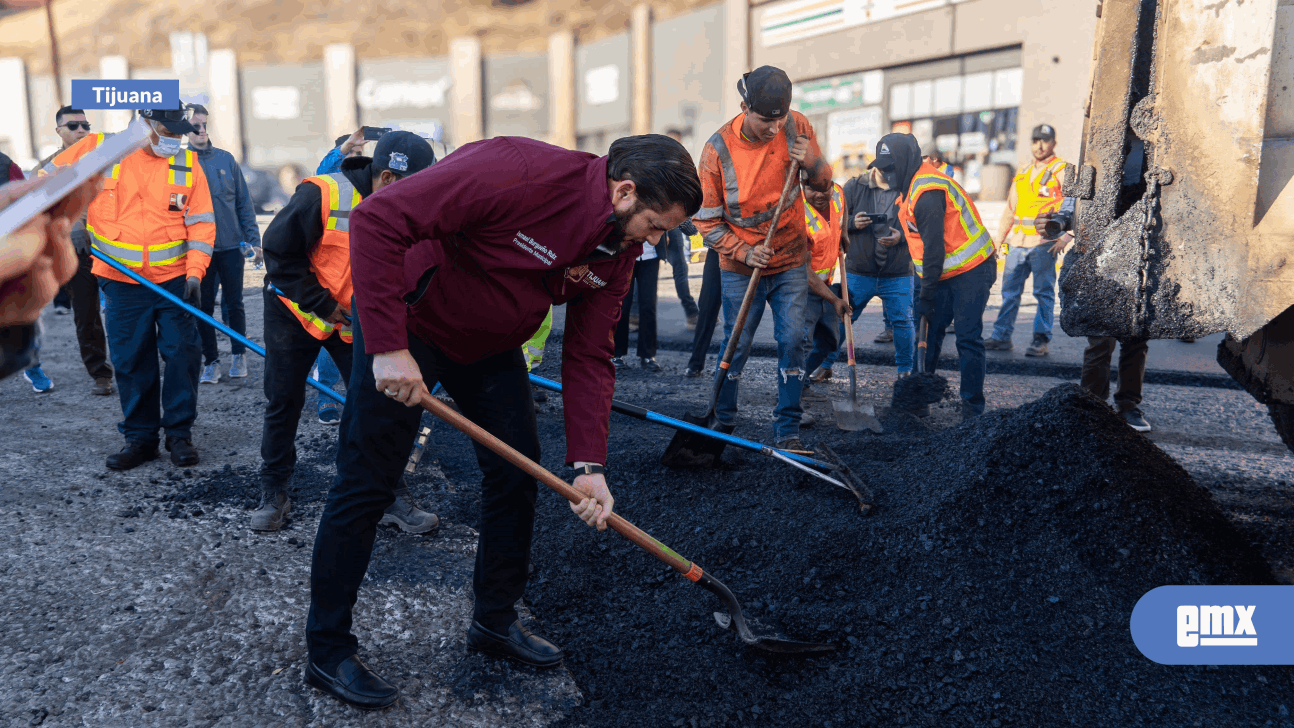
{"x":891,"y":179}
{"x":166,"y":146}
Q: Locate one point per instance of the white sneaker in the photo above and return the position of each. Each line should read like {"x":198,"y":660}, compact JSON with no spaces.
{"x":210,"y":373}
{"x":238,"y":370}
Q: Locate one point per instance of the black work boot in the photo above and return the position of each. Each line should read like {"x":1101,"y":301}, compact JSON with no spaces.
{"x":406,"y":514}
{"x":183,"y":454}
{"x":273,"y":511}
{"x":132,"y":455}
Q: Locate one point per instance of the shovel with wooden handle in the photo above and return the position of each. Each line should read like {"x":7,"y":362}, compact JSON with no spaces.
{"x":640,"y":537}
{"x":688,"y":449}
{"x":850,"y":415}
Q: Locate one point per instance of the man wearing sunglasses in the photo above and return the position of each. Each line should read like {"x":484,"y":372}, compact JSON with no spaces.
{"x":235,"y":224}
{"x":154,"y":217}
{"x":71,"y":127}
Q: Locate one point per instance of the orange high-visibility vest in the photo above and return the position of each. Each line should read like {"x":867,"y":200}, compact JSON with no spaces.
{"x":1037,"y":193}
{"x":154,"y":215}
{"x":966,"y":241}
{"x":330,"y":259}
{"x":824,"y":234}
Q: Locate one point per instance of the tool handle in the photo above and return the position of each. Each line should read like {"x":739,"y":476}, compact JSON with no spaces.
{"x":256,"y":348}
{"x":923,"y":331}
{"x":849,"y":332}
{"x":792,"y":177}
{"x":640,"y":537}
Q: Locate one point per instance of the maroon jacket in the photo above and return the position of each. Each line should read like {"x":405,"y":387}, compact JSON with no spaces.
{"x":518,"y":221}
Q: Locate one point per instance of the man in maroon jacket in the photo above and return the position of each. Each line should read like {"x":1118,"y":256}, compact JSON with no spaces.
{"x":521,"y":226}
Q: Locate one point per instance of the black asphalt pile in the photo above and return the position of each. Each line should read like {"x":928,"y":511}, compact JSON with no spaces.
{"x":917,"y":390}
{"x":992,"y":586}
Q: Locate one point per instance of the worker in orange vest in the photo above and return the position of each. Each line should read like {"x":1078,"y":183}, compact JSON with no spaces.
{"x":308,"y":295}
{"x":154,"y":216}
{"x":743,"y":167}
{"x":824,"y":220}
{"x":951,"y":252}
{"x":1035,"y":192}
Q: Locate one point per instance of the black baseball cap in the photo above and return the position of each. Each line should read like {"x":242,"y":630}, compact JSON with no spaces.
{"x":1045,"y":132}
{"x":884,"y":157}
{"x":402,"y":152}
{"x":766,"y":91}
{"x":175,"y":120}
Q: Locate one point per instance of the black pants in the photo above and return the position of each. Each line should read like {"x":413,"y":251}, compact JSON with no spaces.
{"x":226,"y":269}
{"x":1132,"y":369}
{"x":646,"y":273}
{"x":290,"y":353}
{"x":84,"y":290}
{"x":710,"y":304}
{"x":376,"y":435}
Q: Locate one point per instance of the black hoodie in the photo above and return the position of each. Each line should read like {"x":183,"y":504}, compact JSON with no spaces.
{"x":929,"y":212}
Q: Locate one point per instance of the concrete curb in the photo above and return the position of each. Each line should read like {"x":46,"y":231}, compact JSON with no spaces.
{"x":1041,"y":368}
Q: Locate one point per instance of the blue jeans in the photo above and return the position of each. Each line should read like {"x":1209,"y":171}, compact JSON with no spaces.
{"x":328,"y":372}
{"x":141,"y":324}
{"x":787,"y":293}
{"x":226,"y":269}
{"x":896,"y":306}
{"x":961,"y":300}
{"x":822,"y":330}
{"x":1020,"y":262}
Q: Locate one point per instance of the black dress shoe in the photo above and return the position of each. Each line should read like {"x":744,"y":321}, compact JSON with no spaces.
{"x":132,"y":455}
{"x":354,"y":683}
{"x":519,"y":644}
{"x":182,"y":451}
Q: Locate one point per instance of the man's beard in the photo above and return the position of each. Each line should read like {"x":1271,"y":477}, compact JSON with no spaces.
{"x":623,"y":219}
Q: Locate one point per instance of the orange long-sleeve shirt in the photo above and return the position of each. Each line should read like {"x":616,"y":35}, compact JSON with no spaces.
{"x":741,"y":181}
{"x":154,"y":214}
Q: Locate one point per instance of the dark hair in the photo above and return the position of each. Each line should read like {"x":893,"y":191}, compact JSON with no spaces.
{"x":65,"y":111}
{"x":197,"y":109}
{"x":662,"y":171}
{"x":340,"y":139}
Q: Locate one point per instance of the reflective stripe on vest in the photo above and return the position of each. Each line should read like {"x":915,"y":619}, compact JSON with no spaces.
{"x":978,"y":245}
{"x":181,"y":170}
{"x":818,"y":227}
{"x":1029,"y":203}
{"x":124,"y":253}
{"x":731,"y":211}
{"x":342,"y":198}
{"x":314,"y":325}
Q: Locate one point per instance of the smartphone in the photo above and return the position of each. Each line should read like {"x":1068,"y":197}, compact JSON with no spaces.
{"x":373,"y":133}
{"x":879,"y":218}
{"x":54,"y":187}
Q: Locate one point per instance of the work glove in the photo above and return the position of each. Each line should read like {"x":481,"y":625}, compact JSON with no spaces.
{"x":193,"y":291}
{"x":923,"y":307}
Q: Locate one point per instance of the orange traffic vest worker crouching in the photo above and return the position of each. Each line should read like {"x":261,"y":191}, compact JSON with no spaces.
{"x":952,"y":253}
{"x":154,"y":218}
{"x":308,"y":295}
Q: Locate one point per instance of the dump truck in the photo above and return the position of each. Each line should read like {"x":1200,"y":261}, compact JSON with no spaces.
{"x":1184,"y":224}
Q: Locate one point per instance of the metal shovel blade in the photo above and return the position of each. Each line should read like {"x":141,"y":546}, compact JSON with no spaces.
{"x":853,"y":417}
{"x":690,"y":450}
{"x":736,"y":619}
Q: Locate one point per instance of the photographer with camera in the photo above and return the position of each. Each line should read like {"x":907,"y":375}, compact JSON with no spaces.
{"x":1035,"y":192}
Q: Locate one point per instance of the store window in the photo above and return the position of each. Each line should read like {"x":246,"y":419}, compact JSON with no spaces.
{"x":969,"y":118}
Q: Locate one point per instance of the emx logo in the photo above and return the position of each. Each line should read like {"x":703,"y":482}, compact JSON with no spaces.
{"x":1170,"y":625}
{"x":1220,"y":623}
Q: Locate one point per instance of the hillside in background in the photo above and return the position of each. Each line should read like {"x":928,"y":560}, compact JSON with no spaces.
{"x":291,"y":31}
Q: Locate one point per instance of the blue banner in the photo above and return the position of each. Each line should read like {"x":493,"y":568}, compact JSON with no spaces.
{"x":1216,"y":625}
{"x":126,"y":94}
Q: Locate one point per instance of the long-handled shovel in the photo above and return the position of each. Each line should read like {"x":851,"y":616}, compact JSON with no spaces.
{"x":644,"y":540}
{"x":850,"y":415}
{"x":688,"y":449}
{"x":795,"y":460}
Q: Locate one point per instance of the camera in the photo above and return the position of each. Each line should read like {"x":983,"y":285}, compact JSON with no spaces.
{"x":1052,"y":225}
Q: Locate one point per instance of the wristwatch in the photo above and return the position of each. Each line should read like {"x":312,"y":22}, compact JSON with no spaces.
{"x":590,"y":469}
